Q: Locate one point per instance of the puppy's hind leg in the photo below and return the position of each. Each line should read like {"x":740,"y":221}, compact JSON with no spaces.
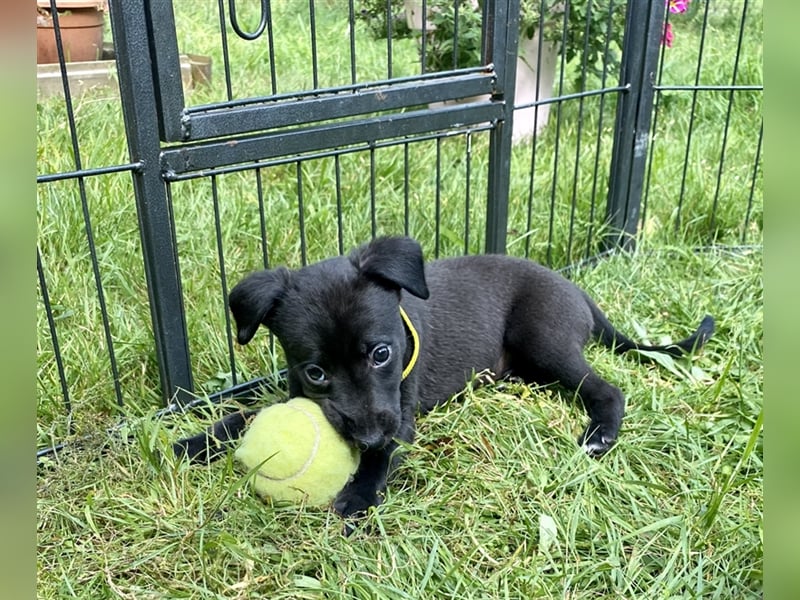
{"x":604,"y":403}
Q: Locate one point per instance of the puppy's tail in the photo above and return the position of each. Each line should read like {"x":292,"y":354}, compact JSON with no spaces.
{"x":607,"y":334}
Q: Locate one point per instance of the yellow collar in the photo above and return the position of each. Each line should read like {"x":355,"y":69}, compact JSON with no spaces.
{"x":415,"y":339}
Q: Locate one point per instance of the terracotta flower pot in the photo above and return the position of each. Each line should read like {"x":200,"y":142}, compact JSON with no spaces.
{"x":81,"y":25}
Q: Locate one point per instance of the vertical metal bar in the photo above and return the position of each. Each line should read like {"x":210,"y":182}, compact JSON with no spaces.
{"x":644,"y":25}
{"x":593,"y":204}
{"x":351,"y":16}
{"x":263,"y":224}
{"x":65,"y":80}
{"x":166,"y":68}
{"x":262,"y":218}
{"x":87,"y":223}
{"x":692,"y":116}
{"x":726,"y":129}
{"x":654,"y":126}
{"x":557,"y":143}
{"x":468,"y":190}
{"x":373,"y":218}
{"x":222,"y":277}
{"x":339,"y":224}
{"x":423,"y":48}
{"x":531,"y":179}
{"x":301,"y":214}
{"x":756,"y":162}
{"x":406,"y":189}
{"x":500,"y":40}
{"x":529,"y":216}
{"x":140,"y":113}
{"x":226,"y":62}
{"x":273,"y":72}
{"x":51,"y":323}
{"x":437,"y":219}
{"x":98,"y":282}
{"x":389,"y":29}
{"x":576,"y":170}
{"x":456,"y":5}
{"x":313,"y":27}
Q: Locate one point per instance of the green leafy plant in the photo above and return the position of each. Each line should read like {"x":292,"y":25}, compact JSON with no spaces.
{"x":373,"y":13}
{"x":453,"y":35}
{"x":591,"y":29}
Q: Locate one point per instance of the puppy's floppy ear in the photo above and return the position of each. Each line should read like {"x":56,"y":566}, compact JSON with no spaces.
{"x":252,"y":299}
{"x":396,"y":261}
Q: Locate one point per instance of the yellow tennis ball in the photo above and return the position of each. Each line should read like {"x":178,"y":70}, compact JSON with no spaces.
{"x":301,"y":455}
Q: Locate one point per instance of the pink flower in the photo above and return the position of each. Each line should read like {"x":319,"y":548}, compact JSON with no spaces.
{"x":675,"y":7}
{"x":666,"y":38}
{"x":678,"y":6}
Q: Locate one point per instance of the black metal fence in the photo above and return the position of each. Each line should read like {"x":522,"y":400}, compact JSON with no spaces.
{"x":249,"y":134}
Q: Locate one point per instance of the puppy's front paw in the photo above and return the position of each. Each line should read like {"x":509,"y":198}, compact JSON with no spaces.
{"x":596,"y":440}
{"x":354,"y":502}
{"x":353,"y":508}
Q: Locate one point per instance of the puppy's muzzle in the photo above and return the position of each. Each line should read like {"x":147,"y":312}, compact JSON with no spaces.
{"x":379,"y":435}
{"x":372,"y":442}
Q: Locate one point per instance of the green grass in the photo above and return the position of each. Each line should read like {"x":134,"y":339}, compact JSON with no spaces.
{"x":674,"y":511}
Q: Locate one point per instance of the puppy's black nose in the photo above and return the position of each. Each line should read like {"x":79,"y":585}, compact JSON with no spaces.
{"x":371,"y":441}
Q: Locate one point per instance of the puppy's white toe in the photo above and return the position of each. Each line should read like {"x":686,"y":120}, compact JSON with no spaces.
{"x":596,"y":447}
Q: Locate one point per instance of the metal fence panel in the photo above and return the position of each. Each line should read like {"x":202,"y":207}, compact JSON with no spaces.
{"x":312,"y":136}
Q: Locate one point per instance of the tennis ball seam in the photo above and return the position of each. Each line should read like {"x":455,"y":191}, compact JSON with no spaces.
{"x":311,"y":455}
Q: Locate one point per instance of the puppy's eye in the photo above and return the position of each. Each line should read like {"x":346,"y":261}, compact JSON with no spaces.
{"x":316,"y":374}
{"x":380,"y":355}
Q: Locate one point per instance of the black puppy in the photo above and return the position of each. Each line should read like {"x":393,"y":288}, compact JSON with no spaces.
{"x":378,"y":337}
